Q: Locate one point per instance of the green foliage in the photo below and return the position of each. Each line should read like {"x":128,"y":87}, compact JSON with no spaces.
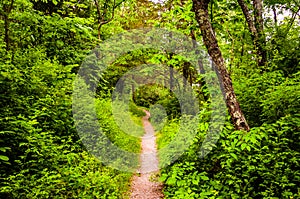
{"x":122,"y":137}
{"x":158,"y":116}
{"x":42,"y":44}
{"x":33,"y":94}
{"x":267,"y":97}
{"x":47,"y":160}
{"x":284,"y":49}
{"x":40,"y":154}
{"x":263,"y":163}
{"x":281,"y":100}
{"x":167,"y":133}
{"x":56,"y":170}
{"x":148,"y":95}
{"x":135,"y":110}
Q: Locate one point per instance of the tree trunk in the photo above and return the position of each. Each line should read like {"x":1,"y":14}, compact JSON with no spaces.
{"x":102,"y":15}
{"x":171,"y":77}
{"x":200,"y":7}
{"x":200,"y":65}
{"x":6,"y":34}
{"x":6,"y":12}
{"x":133,"y":88}
{"x":185,"y":73}
{"x":259,"y":24}
{"x":256,"y":28}
{"x":258,"y":15}
{"x":249,"y":20}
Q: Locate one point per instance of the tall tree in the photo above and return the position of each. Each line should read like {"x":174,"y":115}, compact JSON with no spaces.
{"x":256,"y":28}
{"x":5,"y":11}
{"x":105,"y":12}
{"x":200,"y":7}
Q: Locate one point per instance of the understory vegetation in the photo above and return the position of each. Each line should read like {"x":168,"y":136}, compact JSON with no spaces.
{"x":43,"y":45}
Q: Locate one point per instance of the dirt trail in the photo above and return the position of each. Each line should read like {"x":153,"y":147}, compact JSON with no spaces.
{"x":143,"y":187}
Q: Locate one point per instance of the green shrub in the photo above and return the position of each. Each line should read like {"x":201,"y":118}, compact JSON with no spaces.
{"x":135,"y":110}
{"x":41,"y":155}
{"x":263,"y":163}
{"x":267,"y":97}
{"x":149,"y":95}
{"x":158,"y":116}
{"x":54,"y":166}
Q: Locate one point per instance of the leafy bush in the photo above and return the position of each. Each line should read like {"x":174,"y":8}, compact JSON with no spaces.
{"x":57,"y":171}
{"x":263,"y":163}
{"x":158,"y":116}
{"x":40,"y":154}
{"x":149,"y":95}
{"x":135,"y":110}
{"x":53,"y":166}
{"x":281,"y":100}
{"x":125,"y":136}
{"x":267,"y":97}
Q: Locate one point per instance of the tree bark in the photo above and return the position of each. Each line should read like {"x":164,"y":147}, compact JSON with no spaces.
{"x":256,"y":28}
{"x":275,"y":17}
{"x":200,"y":65}
{"x":171,"y":81}
{"x":185,"y":74}
{"x":248,"y":18}
{"x":6,"y":12}
{"x":258,"y":15}
{"x":133,"y":88}
{"x":259,"y":24}
{"x":200,"y":7}
{"x":6,"y":32}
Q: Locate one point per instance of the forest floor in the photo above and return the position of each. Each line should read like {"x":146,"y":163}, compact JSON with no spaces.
{"x":144,"y":184}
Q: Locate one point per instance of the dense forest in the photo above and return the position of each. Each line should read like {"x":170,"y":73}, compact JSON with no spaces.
{"x":221,"y":80}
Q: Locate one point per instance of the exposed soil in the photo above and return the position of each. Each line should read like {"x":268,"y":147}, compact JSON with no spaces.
{"x":143,"y":186}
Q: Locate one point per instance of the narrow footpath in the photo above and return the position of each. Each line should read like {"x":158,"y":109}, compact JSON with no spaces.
{"x":143,"y":186}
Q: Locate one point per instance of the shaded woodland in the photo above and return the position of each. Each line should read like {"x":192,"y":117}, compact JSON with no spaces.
{"x":255,"y":47}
